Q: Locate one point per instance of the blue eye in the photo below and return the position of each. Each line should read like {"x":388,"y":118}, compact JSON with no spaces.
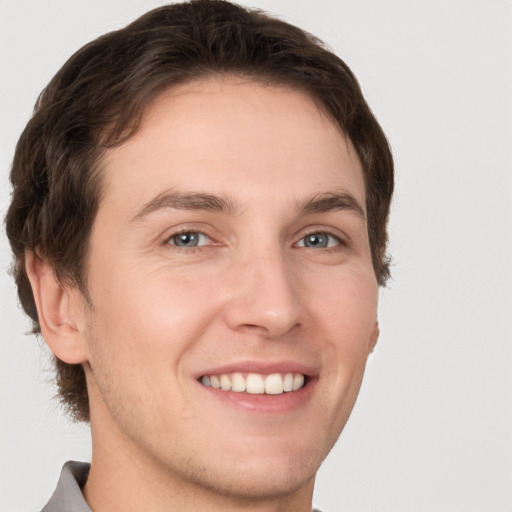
{"x":189,"y":239}
{"x":319,"y":241}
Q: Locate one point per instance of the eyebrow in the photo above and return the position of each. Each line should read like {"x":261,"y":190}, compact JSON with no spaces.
{"x":319,"y":203}
{"x":187,"y":201}
{"x":322,"y":203}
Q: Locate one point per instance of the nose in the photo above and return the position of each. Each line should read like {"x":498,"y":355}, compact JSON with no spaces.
{"x":264,"y":296}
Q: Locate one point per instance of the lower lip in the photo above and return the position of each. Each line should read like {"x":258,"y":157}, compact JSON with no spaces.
{"x":264,"y":404}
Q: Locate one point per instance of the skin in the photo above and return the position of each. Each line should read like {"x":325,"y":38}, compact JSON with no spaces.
{"x":251,"y":293}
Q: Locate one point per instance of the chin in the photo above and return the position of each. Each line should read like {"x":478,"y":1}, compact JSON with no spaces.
{"x":257,"y":476}
{"x":260,"y":481}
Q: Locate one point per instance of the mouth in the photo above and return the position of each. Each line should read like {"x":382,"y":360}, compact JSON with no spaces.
{"x":256,"y":383}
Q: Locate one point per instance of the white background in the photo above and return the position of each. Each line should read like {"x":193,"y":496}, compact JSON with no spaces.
{"x":432,"y":430}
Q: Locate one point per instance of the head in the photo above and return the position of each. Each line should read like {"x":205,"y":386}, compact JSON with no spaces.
{"x":105,"y":97}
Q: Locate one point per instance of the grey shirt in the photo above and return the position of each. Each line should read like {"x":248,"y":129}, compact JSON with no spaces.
{"x":68,"y":496}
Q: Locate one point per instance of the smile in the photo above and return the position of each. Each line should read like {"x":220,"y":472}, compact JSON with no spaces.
{"x":255,"y":383}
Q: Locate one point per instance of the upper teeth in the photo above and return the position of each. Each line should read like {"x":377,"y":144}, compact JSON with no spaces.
{"x":254,"y":383}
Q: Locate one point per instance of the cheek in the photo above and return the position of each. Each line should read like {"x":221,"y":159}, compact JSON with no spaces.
{"x":345,"y":303}
{"x":153,"y":316}
{"x":140,"y":338}
{"x":346,"y":317}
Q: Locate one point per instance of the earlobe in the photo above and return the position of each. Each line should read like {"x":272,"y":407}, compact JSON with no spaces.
{"x":57,"y":311}
{"x":374,"y":336}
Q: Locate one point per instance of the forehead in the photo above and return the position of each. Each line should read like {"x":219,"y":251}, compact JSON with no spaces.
{"x":234,"y":137}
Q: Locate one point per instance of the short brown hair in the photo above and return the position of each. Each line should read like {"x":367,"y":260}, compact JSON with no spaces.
{"x":97,"y":99}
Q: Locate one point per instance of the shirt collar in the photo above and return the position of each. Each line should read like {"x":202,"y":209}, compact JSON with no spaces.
{"x":68,"y":495}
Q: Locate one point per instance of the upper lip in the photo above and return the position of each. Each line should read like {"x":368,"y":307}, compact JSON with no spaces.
{"x":261,"y":367}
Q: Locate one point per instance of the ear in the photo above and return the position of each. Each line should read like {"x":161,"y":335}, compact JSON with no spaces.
{"x":374,"y":336}
{"x":59,"y":309}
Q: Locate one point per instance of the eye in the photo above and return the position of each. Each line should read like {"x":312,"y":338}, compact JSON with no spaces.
{"x":189,"y":239}
{"x":319,"y":240}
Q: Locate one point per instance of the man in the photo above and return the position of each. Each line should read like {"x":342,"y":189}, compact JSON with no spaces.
{"x":199,"y":224}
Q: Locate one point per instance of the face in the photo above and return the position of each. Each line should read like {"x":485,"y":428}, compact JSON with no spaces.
{"x":234,"y":299}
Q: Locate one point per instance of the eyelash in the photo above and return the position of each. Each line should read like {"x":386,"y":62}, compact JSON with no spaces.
{"x":338,"y":239}
{"x":185,"y":231}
